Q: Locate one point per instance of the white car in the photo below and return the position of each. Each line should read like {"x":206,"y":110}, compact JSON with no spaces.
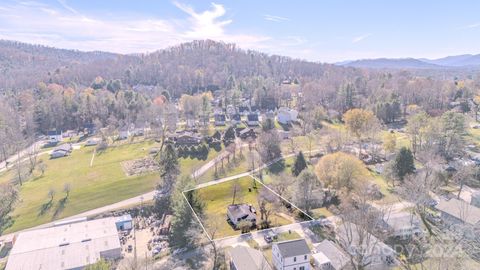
{"x":178,"y":251}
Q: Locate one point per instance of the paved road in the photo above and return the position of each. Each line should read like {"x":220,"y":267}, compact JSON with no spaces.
{"x":22,"y":154}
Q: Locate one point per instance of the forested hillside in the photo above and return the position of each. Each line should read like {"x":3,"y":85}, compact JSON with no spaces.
{"x":188,"y":67}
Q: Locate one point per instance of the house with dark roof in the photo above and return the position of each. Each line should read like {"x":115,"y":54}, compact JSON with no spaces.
{"x":235,"y":119}
{"x":247,"y":133}
{"x":246,"y":258}
{"x":252,"y":120}
{"x":237,"y":213}
{"x":186,"y":138}
{"x":329,"y":256}
{"x":291,"y":255}
{"x":219,"y":119}
{"x":243,"y":110}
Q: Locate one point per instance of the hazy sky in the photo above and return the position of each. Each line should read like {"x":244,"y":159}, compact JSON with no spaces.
{"x":326,"y":31}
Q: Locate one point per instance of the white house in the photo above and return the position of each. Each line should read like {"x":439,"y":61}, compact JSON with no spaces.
{"x":241,"y":212}
{"x":286,"y":115}
{"x":54,"y":136}
{"x":329,"y":256}
{"x":291,"y":255}
{"x":403,"y":225}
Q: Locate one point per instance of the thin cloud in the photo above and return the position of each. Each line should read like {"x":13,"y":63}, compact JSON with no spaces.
{"x":360,"y":38}
{"x":473,"y":25}
{"x":274,"y":18}
{"x":64,"y":4}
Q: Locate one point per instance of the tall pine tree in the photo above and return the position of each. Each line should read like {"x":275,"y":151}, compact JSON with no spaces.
{"x":404,"y":163}
{"x":299,"y":165}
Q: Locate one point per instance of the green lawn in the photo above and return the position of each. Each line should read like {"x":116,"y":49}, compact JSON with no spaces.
{"x":218,"y":197}
{"x":321,"y":212}
{"x":91,"y":187}
{"x":239,"y":166}
{"x":389,"y":197}
{"x":285,"y":236}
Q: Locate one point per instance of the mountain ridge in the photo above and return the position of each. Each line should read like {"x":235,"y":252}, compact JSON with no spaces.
{"x":448,"y":62}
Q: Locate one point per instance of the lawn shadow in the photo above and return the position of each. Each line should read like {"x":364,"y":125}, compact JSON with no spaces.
{"x":45,"y":207}
{"x":277,"y":167}
{"x":60,"y":207}
{"x":6,"y":223}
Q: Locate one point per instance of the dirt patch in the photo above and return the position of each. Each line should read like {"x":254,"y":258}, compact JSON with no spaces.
{"x":139,"y":166}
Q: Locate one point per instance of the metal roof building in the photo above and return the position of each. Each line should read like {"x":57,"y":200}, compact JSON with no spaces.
{"x":65,"y":246}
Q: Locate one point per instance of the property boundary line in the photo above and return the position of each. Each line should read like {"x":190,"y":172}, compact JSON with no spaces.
{"x":243,"y":234}
{"x":196,"y":216}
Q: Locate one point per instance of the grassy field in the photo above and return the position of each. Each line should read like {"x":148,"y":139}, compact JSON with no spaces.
{"x":386,"y":190}
{"x":239,"y":166}
{"x":91,"y":187}
{"x":218,"y":197}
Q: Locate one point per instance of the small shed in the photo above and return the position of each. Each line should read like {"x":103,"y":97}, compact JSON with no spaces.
{"x":124,"y":223}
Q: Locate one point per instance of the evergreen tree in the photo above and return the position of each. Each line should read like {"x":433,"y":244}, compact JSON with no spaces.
{"x":404,"y":163}
{"x":183,"y":218}
{"x":299,"y":165}
{"x":229,"y":136}
{"x":169,"y":170}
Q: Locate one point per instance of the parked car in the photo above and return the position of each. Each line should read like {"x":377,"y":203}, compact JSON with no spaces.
{"x":325,"y":223}
{"x":179,"y":250}
{"x":156,"y":251}
{"x":270,"y":236}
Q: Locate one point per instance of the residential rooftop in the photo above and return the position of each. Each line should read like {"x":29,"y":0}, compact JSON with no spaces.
{"x":245,"y":258}
{"x":293,"y":248}
{"x":461,"y":210}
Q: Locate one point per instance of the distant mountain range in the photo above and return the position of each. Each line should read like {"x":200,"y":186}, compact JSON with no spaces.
{"x":449,"y":62}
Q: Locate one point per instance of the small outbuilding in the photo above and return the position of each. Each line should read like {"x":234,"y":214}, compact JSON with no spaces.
{"x":124,"y":223}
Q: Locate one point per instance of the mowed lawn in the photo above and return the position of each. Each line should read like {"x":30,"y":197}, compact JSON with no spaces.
{"x":219,"y":196}
{"x":102,"y":184}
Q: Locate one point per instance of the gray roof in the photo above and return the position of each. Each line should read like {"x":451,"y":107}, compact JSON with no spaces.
{"x":293,"y":248}
{"x":338,"y":258}
{"x":402,"y":220}
{"x":461,"y":210}
{"x":240,"y":210}
{"x":245,"y":258}
{"x":63,"y":147}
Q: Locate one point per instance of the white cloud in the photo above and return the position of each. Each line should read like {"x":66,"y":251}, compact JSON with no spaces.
{"x":206,"y":24}
{"x":360,"y":38}
{"x":274,"y":18}
{"x":128,"y":34}
{"x":473,"y":25}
